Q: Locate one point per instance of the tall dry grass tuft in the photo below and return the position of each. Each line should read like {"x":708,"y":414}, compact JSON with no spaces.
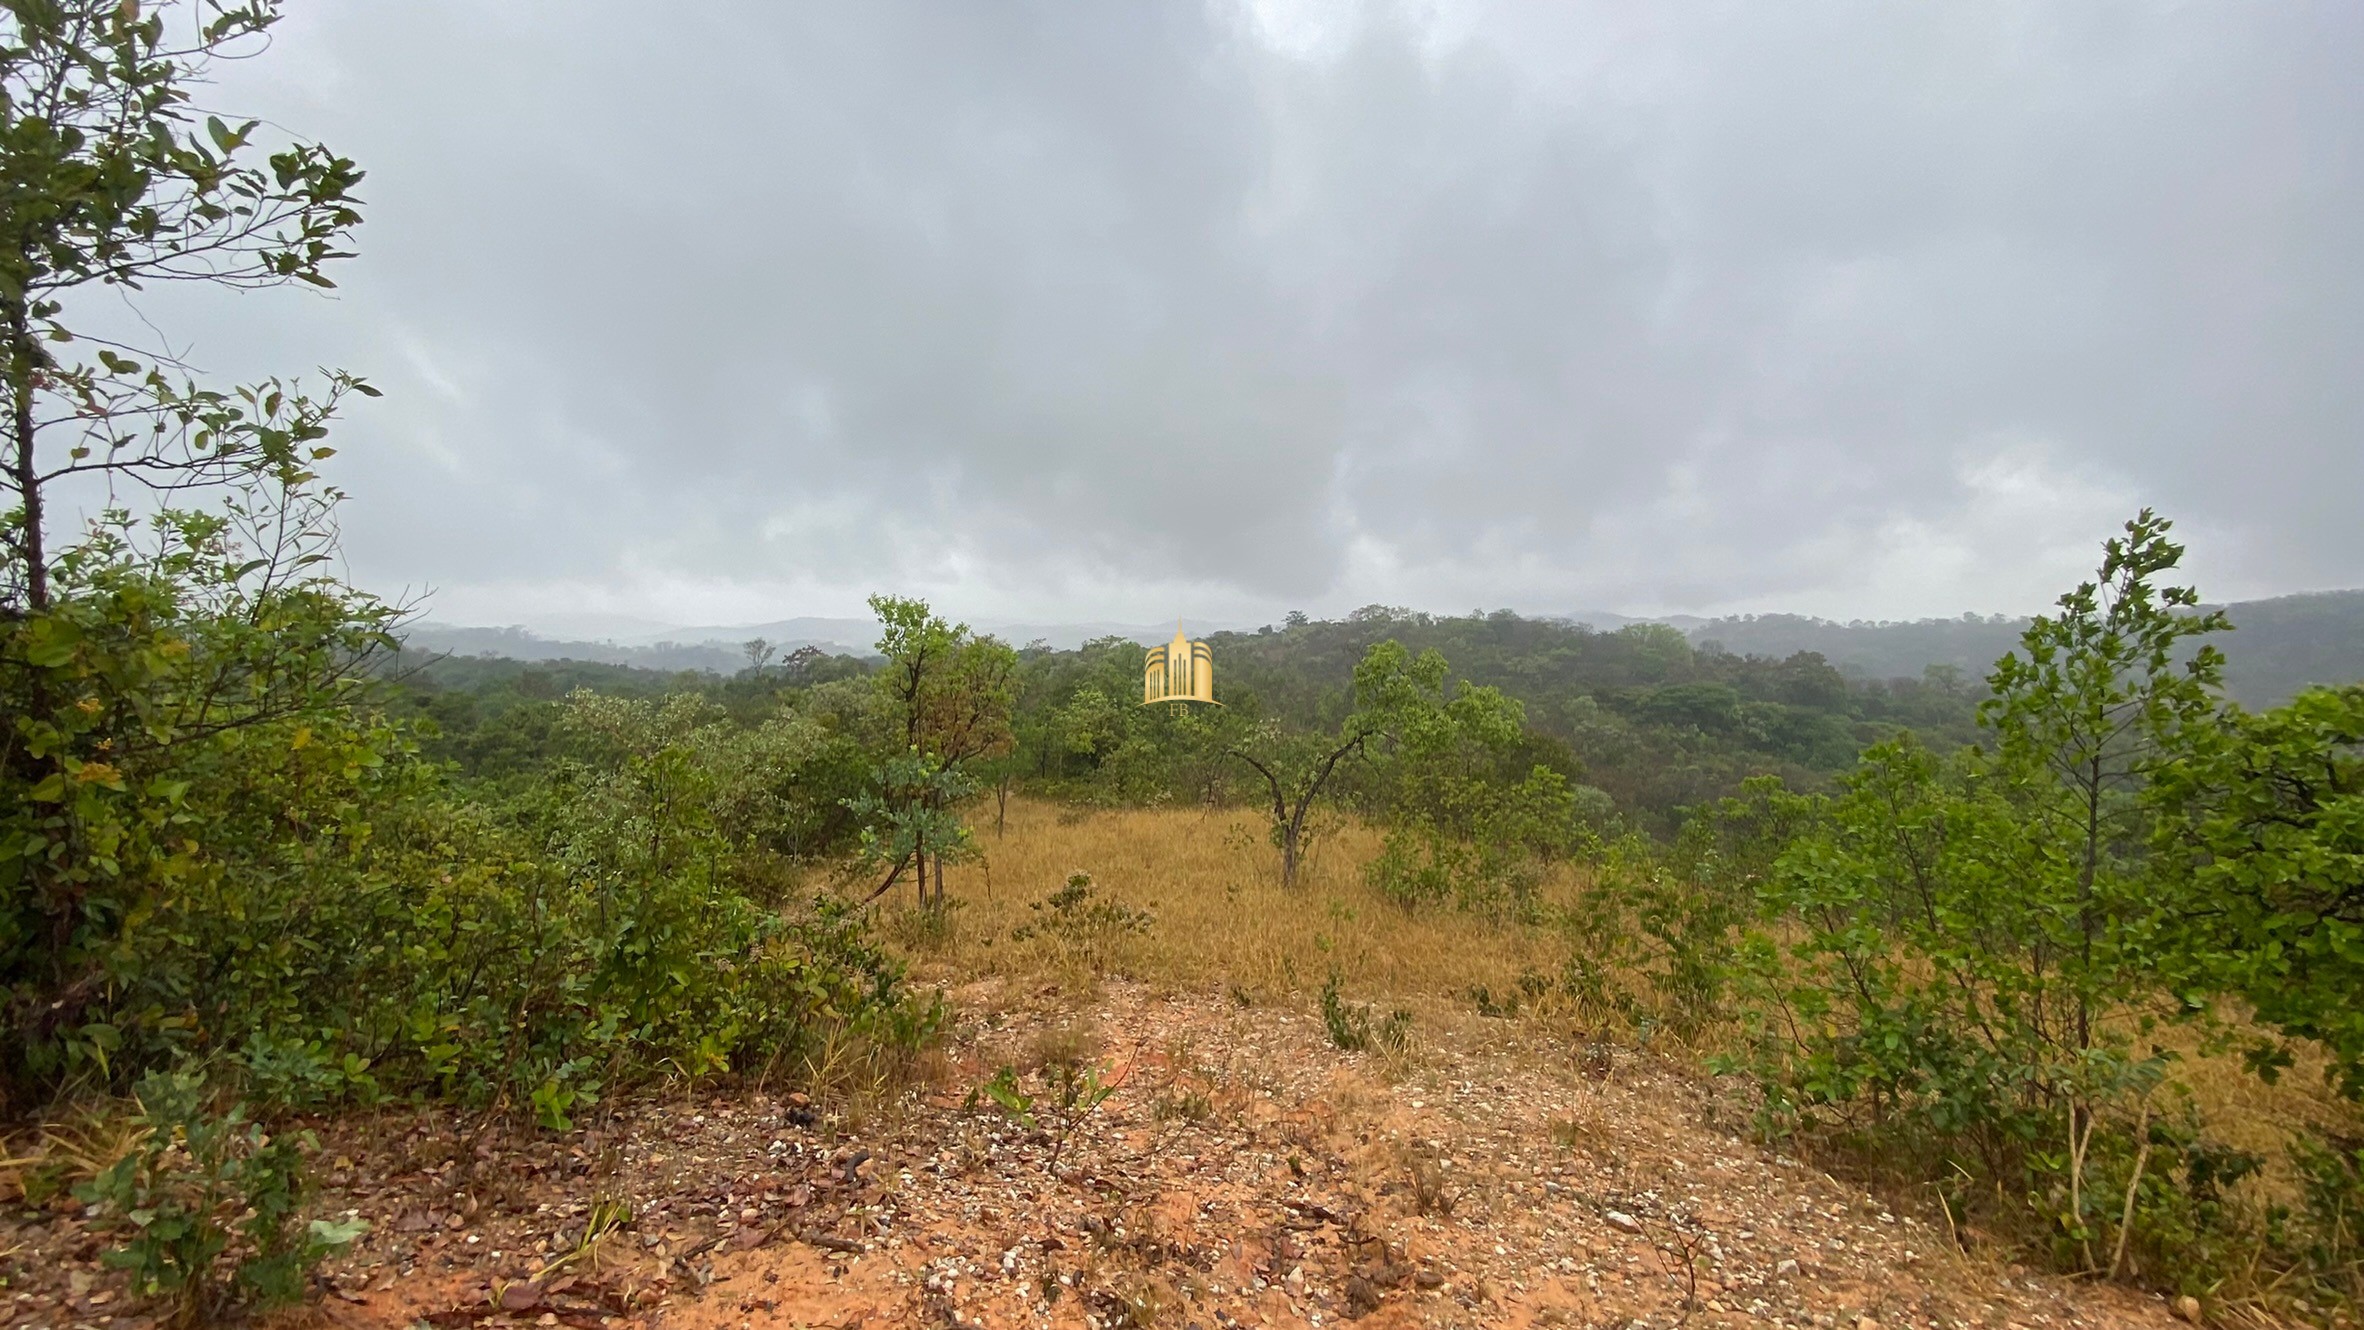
{"x":1222,"y":921}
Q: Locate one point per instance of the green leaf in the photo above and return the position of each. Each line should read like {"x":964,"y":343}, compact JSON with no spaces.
{"x":51,"y":642}
{"x":340,"y":1234}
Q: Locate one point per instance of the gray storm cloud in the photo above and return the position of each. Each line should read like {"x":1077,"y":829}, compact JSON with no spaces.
{"x":1088,"y":311}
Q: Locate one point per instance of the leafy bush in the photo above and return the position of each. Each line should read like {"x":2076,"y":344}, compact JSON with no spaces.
{"x":2260,"y":840}
{"x":1468,"y":825}
{"x":1963,"y":958}
{"x":1476,"y":841}
{"x":2324,"y":1234}
{"x":253,"y":865}
{"x":1967,"y":942}
{"x":1080,"y":927}
{"x":1649,"y":945}
{"x":209,"y":1206}
{"x":618,"y":934}
{"x":1653,"y":933}
{"x":184,"y":742}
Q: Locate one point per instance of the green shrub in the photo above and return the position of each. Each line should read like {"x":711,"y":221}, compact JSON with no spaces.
{"x":1080,"y":927}
{"x":1653,"y":934}
{"x":1964,"y":959}
{"x":1930,"y":994}
{"x":1479,"y":842}
{"x":1467,"y":824}
{"x":1355,"y":1027}
{"x":2325,"y":1232}
{"x":2260,"y":839}
{"x":185,"y":743}
{"x":215,"y":847}
{"x":208,"y":1207}
{"x":244,"y":863}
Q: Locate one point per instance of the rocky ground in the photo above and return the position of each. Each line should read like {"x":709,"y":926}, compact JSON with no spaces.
{"x":1239,"y":1171}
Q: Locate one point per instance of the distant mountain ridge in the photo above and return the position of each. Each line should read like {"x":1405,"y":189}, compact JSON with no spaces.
{"x":860,"y":636}
{"x":2280,"y":645}
{"x":721,"y":648}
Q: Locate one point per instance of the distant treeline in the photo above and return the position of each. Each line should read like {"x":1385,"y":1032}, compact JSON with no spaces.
{"x":2284,"y":644}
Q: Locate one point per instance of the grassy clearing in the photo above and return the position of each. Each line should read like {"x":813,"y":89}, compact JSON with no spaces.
{"x":1222,"y":922}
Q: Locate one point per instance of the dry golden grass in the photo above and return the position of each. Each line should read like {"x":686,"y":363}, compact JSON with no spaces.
{"x":1223,"y":922}
{"x":83,"y":1140}
{"x":2243,"y":1111}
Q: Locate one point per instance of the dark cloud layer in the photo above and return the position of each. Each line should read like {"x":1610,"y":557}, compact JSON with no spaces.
{"x":737,"y":311}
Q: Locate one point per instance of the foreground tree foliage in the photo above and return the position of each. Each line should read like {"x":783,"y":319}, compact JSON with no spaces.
{"x":229,"y":882}
{"x":1969,"y":959}
{"x":2260,"y":838}
{"x":112,"y":182}
{"x":153,"y":663}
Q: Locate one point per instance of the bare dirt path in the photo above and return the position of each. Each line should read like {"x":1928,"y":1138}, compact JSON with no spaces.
{"x":1242,"y":1172}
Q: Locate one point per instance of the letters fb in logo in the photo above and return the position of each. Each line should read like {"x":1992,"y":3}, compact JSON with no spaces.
{"x":1180,"y":671}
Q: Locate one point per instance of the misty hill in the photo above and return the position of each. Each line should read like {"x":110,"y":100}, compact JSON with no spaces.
{"x":2290,"y":642}
{"x":858,"y":636}
{"x":719,"y":648}
{"x":2278,"y":647}
{"x":518,"y":644}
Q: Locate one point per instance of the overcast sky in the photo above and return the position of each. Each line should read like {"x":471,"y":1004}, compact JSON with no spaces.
{"x":711,"y":313}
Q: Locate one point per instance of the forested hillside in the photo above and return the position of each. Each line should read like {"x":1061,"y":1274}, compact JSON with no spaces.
{"x":2282,"y":645}
{"x":2286,"y":644}
{"x":1644,"y":716}
{"x":1638,"y":714}
{"x":1655,"y":719}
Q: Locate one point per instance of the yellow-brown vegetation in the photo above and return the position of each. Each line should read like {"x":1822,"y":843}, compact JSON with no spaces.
{"x":1223,"y":923}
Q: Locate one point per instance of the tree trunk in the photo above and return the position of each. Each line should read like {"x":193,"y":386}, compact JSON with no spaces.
{"x":1293,"y":839}
{"x":2087,"y":922}
{"x":893,"y":876}
{"x":24,"y":357}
